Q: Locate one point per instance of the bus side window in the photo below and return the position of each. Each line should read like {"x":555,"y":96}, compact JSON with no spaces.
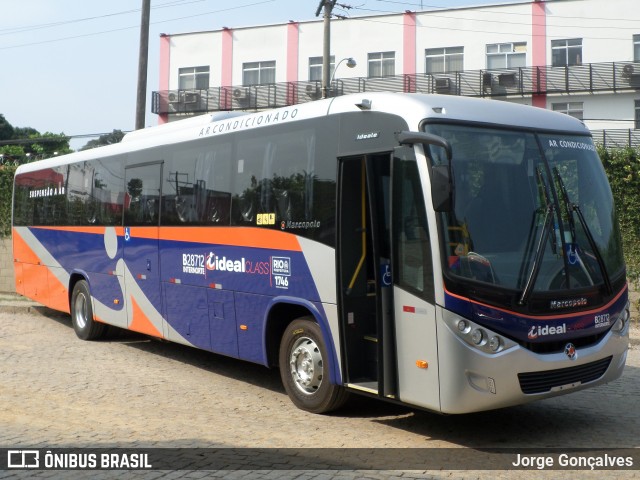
{"x":252,"y":195}
{"x":216,"y":168}
{"x":142,"y":202}
{"x":413,"y":263}
{"x":196,"y":186}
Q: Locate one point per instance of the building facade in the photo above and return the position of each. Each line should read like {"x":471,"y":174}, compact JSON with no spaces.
{"x":580,"y":57}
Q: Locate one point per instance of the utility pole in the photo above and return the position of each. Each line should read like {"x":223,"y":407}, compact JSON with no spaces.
{"x":141,"y":98}
{"x":326,"y":45}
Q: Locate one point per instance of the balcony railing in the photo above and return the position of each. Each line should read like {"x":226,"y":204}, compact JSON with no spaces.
{"x":523,"y":81}
{"x":617,"y":138}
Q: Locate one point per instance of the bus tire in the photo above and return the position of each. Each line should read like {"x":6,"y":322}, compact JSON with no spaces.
{"x":84,"y":325}
{"x":304,"y":365}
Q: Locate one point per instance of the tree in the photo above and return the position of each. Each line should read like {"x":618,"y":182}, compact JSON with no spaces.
{"x":106,"y":139}
{"x":6,"y":130}
{"x":26,"y":144}
{"x":48,"y":144}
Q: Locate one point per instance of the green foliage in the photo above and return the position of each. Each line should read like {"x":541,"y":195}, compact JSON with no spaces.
{"x":6,"y":129}
{"x":48,"y":145}
{"x":6,"y":189}
{"x":623,"y":169}
{"x":10,"y":152}
{"x":26,"y":144}
{"x":107,"y":139}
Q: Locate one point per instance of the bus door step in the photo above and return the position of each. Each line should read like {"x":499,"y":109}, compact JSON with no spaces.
{"x":371,"y":355}
{"x":368,"y":387}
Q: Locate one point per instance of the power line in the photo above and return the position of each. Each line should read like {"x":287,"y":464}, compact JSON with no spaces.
{"x":482,"y":8}
{"x":373,"y":19}
{"x":61,"y":138}
{"x":29,"y":28}
{"x":136,"y":26}
{"x":528,"y":15}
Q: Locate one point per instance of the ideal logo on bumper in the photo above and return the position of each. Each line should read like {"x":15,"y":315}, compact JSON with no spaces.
{"x":537,"y":331}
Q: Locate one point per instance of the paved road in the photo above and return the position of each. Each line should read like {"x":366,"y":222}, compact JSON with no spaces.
{"x":129,"y":391}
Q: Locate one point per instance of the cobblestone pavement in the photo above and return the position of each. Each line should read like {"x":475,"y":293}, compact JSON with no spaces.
{"x":130,"y":391}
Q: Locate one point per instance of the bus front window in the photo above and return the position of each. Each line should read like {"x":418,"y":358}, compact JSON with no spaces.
{"x":532,"y":212}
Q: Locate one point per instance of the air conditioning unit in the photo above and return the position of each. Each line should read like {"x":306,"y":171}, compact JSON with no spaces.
{"x":487,"y":81}
{"x":190,"y":97}
{"x":241,"y":94}
{"x":313,"y":91}
{"x":173,"y":97}
{"x":442,"y":85}
{"x":507,"y":80}
{"x":631,"y":74}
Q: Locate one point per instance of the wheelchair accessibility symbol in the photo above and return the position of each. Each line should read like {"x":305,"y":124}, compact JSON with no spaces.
{"x":127,"y":234}
{"x":385,"y":275}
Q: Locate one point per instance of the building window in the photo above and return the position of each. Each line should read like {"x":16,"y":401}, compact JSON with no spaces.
{"x":315,"y":67}
{"x":443,"y":60}
{"x":637,"y":122}
{"x":258,"y":73}
{"x":506,"y":55}
{"x":574,"y":109}
{"x":193,"y":78}
{"x":382,"y":64}
{"x":566,"y":53}
{"x":636,"y":48}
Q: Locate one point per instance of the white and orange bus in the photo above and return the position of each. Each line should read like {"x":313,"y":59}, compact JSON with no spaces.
{"x":448,"y":253}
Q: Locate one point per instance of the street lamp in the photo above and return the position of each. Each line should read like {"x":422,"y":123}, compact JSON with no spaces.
{"x":350,"y":63}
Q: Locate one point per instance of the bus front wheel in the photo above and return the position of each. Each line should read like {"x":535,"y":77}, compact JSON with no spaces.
{"x":304,"y":368}
{"x":84,"y":325}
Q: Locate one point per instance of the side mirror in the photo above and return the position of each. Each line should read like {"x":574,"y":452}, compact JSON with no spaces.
{"x":441,"y":188}
{"x":441,"y":176}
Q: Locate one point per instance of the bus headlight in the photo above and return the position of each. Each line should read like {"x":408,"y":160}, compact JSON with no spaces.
{"x":622,"y":321}
{"x":494,"y":343}
{"x":478,"y":336}
{"x":463,"y":326}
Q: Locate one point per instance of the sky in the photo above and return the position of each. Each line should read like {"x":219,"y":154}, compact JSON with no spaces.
{"x":71,"y":66}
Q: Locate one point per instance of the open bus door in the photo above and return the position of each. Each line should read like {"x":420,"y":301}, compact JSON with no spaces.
{"x":365,"y":266}
{"x":386,"y":299}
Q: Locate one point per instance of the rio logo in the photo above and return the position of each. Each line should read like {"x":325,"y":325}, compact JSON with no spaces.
{"x":281,"y":271}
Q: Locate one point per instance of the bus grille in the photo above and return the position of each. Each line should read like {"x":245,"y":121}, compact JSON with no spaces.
{"x":540,"y":382}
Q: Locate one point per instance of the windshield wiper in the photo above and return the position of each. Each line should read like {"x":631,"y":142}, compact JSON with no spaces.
{"x":574,"y":207}
{"x":537,"y":260}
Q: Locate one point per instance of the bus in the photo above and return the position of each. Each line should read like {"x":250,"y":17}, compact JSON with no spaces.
{"x":446,"y":253}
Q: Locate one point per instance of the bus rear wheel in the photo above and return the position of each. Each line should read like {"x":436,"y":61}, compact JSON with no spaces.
{"x":304,"y":368}
{"x":84,"y":325}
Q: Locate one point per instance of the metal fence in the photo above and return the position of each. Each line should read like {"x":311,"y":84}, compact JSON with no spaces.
{"x":617,"y":138}
{"x":523,"y":81}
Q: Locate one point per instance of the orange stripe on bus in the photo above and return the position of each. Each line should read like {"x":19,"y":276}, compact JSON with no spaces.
{"x":543,"y":316}
{"x":58,"y":298}
{"x":236,"y":236}
{"x":39,"y":283}
{"x":22,"y":252}
{"x":141,"y":322}
{"x":93,"y":230}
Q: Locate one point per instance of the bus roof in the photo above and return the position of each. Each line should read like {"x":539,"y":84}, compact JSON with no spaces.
{"x":412,"y":107}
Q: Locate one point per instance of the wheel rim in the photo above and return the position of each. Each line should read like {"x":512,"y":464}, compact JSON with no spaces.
{"x":306,"y":365}
{"x":80,"y":310}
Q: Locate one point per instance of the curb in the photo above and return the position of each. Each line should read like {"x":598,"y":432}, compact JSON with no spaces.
{"x":30,"y":309}
{"x":16,"y":304}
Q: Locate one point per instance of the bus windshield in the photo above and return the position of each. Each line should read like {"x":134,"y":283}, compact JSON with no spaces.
{"x":532,"y":212}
